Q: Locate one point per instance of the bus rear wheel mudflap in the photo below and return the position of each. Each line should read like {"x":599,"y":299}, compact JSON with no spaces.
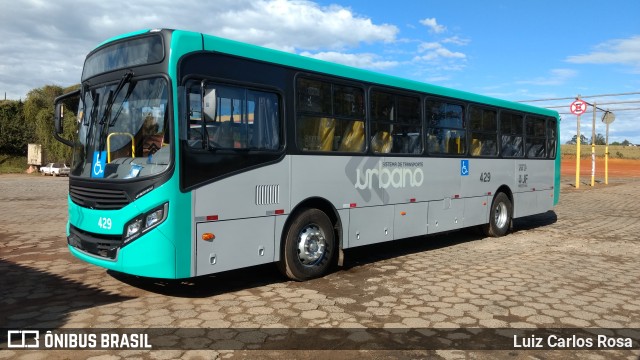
{"x":500,"y":216}
{"x":309,"y":245}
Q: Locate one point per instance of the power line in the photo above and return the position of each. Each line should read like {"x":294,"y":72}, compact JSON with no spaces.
{"x":581,"y":97}
{"x":608,"y":103}
{"x":610,"y":110}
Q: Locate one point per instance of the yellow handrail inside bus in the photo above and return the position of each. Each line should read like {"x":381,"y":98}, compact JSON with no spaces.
{"x":133,"y":146}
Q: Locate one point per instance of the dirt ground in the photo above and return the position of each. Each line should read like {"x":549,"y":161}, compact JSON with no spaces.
{"x":618,"y":168}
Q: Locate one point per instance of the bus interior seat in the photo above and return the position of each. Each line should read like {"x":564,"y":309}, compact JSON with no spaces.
{"x":535,"y":151}
{"x":476,"y":147}
{"x":488,"y":148}
{"x":381,"y":142}
{"x":453,"y":143}
{"x":414,"y":144}
{"x":433,"y":145}
{"x":326,"y":133}
{"x":353,"y":139}
{"x":511,"y":146}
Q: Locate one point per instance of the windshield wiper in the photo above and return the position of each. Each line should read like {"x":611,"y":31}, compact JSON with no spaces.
{"x":113,"y":95}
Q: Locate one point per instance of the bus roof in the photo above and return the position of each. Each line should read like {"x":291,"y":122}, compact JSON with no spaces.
{"x":214,"y":43}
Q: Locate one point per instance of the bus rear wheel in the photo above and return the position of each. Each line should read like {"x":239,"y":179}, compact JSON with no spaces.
{"x":500,"y":216}
{"x":309,"y":246}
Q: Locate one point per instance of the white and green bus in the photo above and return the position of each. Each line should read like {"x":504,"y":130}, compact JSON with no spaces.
{"x":196,"y":155}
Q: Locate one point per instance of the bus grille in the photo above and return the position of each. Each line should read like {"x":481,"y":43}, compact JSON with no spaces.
{"x":100,"y":199}
{"x":267,"y":194}
{"x":105,"y":246}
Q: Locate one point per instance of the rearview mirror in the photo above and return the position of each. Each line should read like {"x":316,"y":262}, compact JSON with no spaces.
{"x":209,"y":104}
{"x":58,"y":116}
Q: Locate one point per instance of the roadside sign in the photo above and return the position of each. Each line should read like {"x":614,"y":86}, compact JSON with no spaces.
{"x":608,"y":118}
{"x":578,"y":107}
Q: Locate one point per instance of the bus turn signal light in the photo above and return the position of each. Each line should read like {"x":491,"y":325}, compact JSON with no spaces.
{"x":208,"y":236}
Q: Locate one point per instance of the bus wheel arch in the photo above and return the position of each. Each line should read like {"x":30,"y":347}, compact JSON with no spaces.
{"x":310,"y":242}
{"x":500,"y":213}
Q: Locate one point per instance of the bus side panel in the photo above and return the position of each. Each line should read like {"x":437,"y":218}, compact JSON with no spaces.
{"x":236,"y":244}
{"x":342,"y":180}
{"x":240,"y":212}
{"x":410,"y":219}
{"x":525,"y":204}
{"x":370,"y":225}
{"x":534,"y":187}
{"x":476,"y":210}
{"x":445,"y":215}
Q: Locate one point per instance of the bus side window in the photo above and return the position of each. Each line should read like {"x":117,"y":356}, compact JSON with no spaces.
{"x":551,"y":137}
{"x":446,"y":133}
{"x":195,"y":123}
{"x":396,"y":125}
{"x":329,"y":116}
{"x":484,"y":131}
{"x":511,"y":134}
{"x":535,"y":137}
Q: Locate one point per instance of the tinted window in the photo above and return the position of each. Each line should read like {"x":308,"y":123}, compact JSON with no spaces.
{"x":234,"y":118}
{"x":511,"y":134}
{"x":445,"y":133}
{"x":330,"y":117}
{"x":535,"y":130}
{"x":124,"y":54}
{"x":396,"y":125}
{"x":552,"y":133}
{"x":484,"y":136}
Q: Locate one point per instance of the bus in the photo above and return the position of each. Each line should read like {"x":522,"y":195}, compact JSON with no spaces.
{"x":195,"y":155}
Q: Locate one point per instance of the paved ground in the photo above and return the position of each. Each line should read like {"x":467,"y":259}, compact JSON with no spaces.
{"x":576,"y":267}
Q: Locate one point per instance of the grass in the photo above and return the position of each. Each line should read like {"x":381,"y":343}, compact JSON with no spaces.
{"x":621,"y":152}
{"x":10,"y":164}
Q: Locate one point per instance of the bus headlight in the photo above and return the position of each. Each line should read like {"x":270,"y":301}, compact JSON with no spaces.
{"x":154,"y":217}
{"x":134,"y":228}
{"x":145,"y":222}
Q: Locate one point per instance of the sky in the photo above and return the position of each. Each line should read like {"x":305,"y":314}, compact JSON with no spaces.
{"x":514,"y":50}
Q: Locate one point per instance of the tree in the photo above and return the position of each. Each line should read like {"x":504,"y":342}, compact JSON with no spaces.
{"x":38,"y":115}
{"x":14,"y":135}
{"x":600,"y":140}
{"x":625,"y":143}
{"x":573,"y":141}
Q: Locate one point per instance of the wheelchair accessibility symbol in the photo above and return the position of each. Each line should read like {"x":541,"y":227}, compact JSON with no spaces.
{"x":99,"y":162}
{"x":464,"y":167}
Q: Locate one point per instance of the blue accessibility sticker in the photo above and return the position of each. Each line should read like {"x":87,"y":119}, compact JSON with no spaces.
{"x":464,"y":167}
{"x":99,"y":164}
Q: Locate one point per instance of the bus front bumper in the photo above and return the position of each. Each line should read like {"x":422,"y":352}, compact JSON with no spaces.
{"x":150,"y":255}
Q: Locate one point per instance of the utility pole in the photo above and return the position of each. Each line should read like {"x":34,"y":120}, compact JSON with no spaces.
{"x":593,"y":146}
{"x":578,"y":108}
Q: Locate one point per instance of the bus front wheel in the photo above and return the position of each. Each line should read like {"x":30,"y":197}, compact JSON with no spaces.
{"x":309,"y":246}
{"x":500,"y":216}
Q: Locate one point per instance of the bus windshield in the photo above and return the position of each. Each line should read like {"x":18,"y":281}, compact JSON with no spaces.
{"x":123,"y":130}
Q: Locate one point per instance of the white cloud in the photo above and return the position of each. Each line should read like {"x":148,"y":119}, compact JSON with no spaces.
{"x":46,"y":42}
{"x":618,"y":51}
{"x":456,"y":40}
{"x":364,"y":60}
{"x":556,"y":77}
{"x":433,"y":51}
{"x":433,"y":25}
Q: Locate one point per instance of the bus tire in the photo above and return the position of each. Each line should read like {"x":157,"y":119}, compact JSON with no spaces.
{"x":309,"y":249}
{"x":500,"y":216}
